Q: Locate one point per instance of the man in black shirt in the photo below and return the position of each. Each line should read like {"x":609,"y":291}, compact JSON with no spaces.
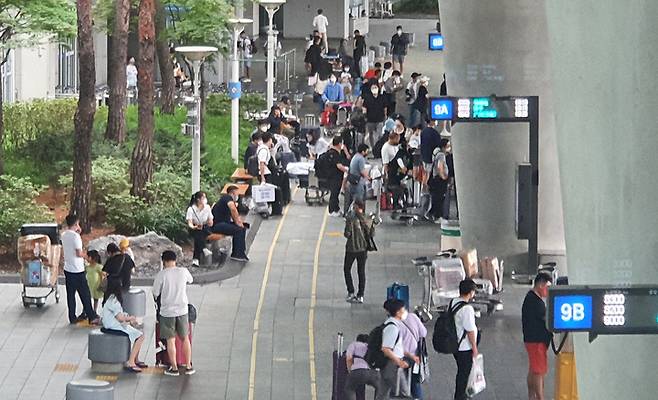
{"x":375,"y":105}
{"x":535,"y":334}
{"x":338,"y":166}
{"x":118,"y":267}
{"x":358,"y":52}
{"x":227,"y":221}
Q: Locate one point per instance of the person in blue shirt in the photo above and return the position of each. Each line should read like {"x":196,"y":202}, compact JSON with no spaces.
{"x":333,"y":92}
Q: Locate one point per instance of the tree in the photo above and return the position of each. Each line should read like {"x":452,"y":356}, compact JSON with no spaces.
{"x":24,"y":23}
{"x":116,"y":116}
{"x":164,"y":60}
{"x":84,"y":116}
{"x":141,"y":168}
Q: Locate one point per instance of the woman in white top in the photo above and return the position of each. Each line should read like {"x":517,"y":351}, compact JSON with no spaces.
{"x":199,"y":220}
{"x":114,"y":318}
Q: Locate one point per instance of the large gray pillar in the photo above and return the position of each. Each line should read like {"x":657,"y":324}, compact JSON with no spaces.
{"x":501,"y":47}
{"x":605,"y":58}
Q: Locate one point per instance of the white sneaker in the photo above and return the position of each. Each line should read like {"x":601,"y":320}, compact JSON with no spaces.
{"x":195,"y":262}
{"x":207,"y":252}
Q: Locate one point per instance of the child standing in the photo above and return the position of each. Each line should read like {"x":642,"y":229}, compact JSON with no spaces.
{"x":94,"y":272}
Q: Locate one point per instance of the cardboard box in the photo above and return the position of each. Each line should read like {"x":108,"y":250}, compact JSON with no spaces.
{"x":470,"y":260}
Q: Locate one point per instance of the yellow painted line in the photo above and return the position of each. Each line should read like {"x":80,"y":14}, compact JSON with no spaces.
{"x":261,"y":300}
{"x":311,"y":310}
{"x":66,"y":367}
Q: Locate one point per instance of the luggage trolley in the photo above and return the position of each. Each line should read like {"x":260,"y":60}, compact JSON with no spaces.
{"x":442,"y":275}
{"x":316,"y":189}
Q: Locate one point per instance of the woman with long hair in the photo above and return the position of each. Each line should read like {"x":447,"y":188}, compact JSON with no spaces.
{"x":114,"y":318}
{"x":199,"y":220}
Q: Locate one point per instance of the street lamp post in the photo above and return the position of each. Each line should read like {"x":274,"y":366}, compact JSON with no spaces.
{"x":196,"y":55}
{"x":235,"y":88}
{"x":271,"y":6}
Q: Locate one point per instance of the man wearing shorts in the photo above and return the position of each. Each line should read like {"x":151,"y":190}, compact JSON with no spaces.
{"x":535,"y":334}
{"x":170,"y":286}
{"x":399,"y":43}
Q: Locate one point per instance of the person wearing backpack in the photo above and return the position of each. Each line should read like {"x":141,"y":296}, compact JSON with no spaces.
{"x":392,"y":346}
{"x":413,"y":335}
{"x":467,"y":332}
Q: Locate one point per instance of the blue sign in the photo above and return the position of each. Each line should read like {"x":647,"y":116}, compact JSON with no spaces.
{"x":441,"y":109}
{"x":234,"y":90}
{"x":573,"y":312}
{"x":436,"y":41}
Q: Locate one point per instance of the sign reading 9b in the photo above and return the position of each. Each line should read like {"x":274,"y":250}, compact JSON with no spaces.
{"x":572,"y":312}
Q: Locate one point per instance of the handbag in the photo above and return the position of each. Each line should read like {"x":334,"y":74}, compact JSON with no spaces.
{"x":476,"y":382}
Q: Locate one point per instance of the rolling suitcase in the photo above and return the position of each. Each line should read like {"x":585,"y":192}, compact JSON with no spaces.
{"x":161,"y":355}
{"x":398,"y":291}
{"x":340,"y":372}
{"x":277,"y":204}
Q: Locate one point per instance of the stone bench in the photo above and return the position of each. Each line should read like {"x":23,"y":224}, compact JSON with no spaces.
{"x":107,"y":352}
{"x":219,"y":245}
{"x":134,"y":303}
{"x":89,"y":389}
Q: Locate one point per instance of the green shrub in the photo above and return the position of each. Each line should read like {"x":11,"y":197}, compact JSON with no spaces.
{"x":17,"y":207}
{"x":219,"y":104}
{"x":28,"y":121}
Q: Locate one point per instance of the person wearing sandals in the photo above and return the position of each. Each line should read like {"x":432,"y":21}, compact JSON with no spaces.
{"x":115,"y":319}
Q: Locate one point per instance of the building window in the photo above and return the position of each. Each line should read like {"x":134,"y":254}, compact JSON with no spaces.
{"x":7,"y":76}
{"x":68,"y":67}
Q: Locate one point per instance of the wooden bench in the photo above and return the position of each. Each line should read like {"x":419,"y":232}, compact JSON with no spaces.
{"x":214,"y":237}
{"x":241,"y":175}
{"x":243,"y":188}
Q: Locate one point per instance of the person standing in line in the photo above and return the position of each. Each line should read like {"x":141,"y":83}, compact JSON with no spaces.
{"x":438,"y":179}
{"x":359,"y":50}
{"x":246,"y":46}
{"x":467,"y":333}
{"x":399,"y":44}
{"x":535,"y":334}
{"x":410,"y":96}
{"x":357,"y":175}
{"x":412,"y":334}
{"x":360,"y":373}
{"x":74,"y":273}
{"x":375,"y":105}
{"x":419,"y":106}
{"x":359,"y":233}
{"x":339,"y":164}
{"x":392,"y":344}
{"x":227,"y":221}
{"x":264,"y":155}
{"x":199,"y":221}
{"x":429,"y":140}
{"x":131,"y":79}
{"x":391,"y":87}
{"x":171,"y":286}
{"x":320,"y":23}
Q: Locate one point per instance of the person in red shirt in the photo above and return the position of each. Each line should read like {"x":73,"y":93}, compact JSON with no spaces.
{"x":374,"y":72}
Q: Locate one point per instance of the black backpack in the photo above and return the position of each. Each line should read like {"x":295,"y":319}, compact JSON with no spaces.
{"x":323,"y":165}
{"x":253,"y":165}
{"x":375,"y":357}
{"x":377,"y":148}
{"x":445,"y":338}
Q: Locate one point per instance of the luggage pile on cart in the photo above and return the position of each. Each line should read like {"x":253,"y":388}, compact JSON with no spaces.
{"x":39,"y":253}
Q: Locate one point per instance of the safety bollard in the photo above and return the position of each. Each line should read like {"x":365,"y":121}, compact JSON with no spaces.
{"x":89,"y":389}
{"x":565,"y":372}
{"x":134,"y":303}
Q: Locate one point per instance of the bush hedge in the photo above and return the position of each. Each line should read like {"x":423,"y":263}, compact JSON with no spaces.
{"x":17,"y":206}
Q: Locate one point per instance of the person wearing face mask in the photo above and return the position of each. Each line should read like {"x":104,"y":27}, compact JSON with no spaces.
{"x":263,"y":126}
{"x":199,"y":221}
{"x":419,"y":106}
{"x":227,"y":221}
{"x":333,"y":93}
{"x":393,"y":347}
{"x":536,"y":336}
{"x":438,"y":179}
{"x":392,"y":86}
{"x":413,"y":330}
{"x":375,"y":106}
{"x":346,"y":82}
{"x":399,"y":44}
{"x":467,"y":332}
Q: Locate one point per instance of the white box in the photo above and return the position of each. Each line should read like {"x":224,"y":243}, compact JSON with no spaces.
{"x":263,"y":193}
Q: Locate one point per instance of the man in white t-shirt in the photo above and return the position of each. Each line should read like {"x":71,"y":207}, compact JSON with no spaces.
{"x":74,"y":273}
{"x":264,"y":154}
{"x":390,"y":149}
{"x":467,"y":333}
{"x":392,"y":346}
{"x":131,"y":79}
{"x":246,"y":46}
{"x":171,"y":286}
{"x":320,"y":23}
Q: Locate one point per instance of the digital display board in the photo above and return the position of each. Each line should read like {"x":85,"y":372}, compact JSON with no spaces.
{"x":604,"y":310}
{"x":435,"y":41}
{"x":441,"y":109}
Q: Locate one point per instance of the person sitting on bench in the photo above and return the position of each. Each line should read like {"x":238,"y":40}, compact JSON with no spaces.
{"x":227,"y":221}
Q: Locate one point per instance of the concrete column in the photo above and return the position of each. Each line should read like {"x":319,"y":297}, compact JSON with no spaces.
{"x":604,"y":58}
{"x":501,"y":47}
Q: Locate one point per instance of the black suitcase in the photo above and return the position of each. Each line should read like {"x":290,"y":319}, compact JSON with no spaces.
{"x":281,"y":179}
{"x":277,"y":204}
{"x":49,"y":229}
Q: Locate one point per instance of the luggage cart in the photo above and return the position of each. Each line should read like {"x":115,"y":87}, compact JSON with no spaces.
{"x":38,"y":277}
{"x":442,"y":275}
{"x":316,"y":189}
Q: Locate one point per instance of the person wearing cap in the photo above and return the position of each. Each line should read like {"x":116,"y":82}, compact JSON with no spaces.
{"x":124,"y":246}
{"x":410,"y":91}
{"x":419,"y":106}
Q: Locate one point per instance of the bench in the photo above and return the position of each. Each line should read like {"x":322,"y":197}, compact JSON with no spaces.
{"x":89,"y":389}
{"x":219,"y":246}
{"x":243,"y":188}
{"x":241,"y":175}
{"x":107,"y":352}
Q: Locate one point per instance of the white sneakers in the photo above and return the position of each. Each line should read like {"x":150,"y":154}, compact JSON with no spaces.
{"x":336,"y":214}
{"x":195,"y":262}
